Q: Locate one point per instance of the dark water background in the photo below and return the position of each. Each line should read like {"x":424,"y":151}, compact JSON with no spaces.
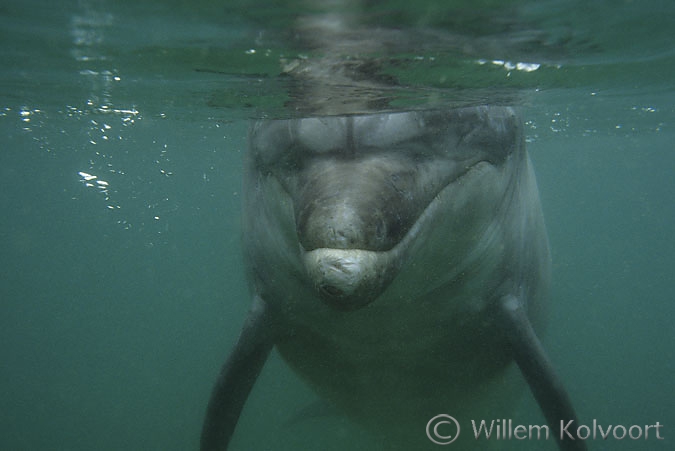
{"x":120,"y":295}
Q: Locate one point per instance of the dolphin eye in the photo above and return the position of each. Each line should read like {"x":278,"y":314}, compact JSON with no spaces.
{"x":496,"y":135}
{"x":269,"y":141}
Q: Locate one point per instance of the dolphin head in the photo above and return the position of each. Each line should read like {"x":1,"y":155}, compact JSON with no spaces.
{"x":347,"y":196}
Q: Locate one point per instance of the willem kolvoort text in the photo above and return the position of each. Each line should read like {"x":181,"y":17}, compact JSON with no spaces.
{"x":504,"y":429}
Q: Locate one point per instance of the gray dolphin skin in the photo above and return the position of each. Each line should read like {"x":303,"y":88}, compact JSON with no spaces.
{"x":399,"y":264}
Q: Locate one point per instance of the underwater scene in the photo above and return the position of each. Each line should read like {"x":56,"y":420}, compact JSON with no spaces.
{"x":362,"y":173}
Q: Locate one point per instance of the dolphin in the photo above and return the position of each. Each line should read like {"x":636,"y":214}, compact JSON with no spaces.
{"x":399,"y":263}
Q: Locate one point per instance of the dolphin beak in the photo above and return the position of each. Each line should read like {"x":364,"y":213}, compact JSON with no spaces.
{"x":348,"y":279}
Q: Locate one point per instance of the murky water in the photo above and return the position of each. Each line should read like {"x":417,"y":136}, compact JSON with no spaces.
{"x":122,"y":128}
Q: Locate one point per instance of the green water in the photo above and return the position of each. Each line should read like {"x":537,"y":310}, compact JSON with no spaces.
{"x":122,"y":126}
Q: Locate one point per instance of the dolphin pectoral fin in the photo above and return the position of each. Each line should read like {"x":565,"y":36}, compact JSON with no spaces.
{"x":236,"y":378}
{"x":538,"y":371}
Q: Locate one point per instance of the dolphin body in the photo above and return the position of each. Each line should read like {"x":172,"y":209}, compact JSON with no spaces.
{"x":399,"y":263}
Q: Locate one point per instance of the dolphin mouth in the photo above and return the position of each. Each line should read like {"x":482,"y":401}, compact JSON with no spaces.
{"x":350,"y":279}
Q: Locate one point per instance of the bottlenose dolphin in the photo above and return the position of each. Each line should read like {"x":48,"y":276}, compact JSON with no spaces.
{"x":399,"y":263}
